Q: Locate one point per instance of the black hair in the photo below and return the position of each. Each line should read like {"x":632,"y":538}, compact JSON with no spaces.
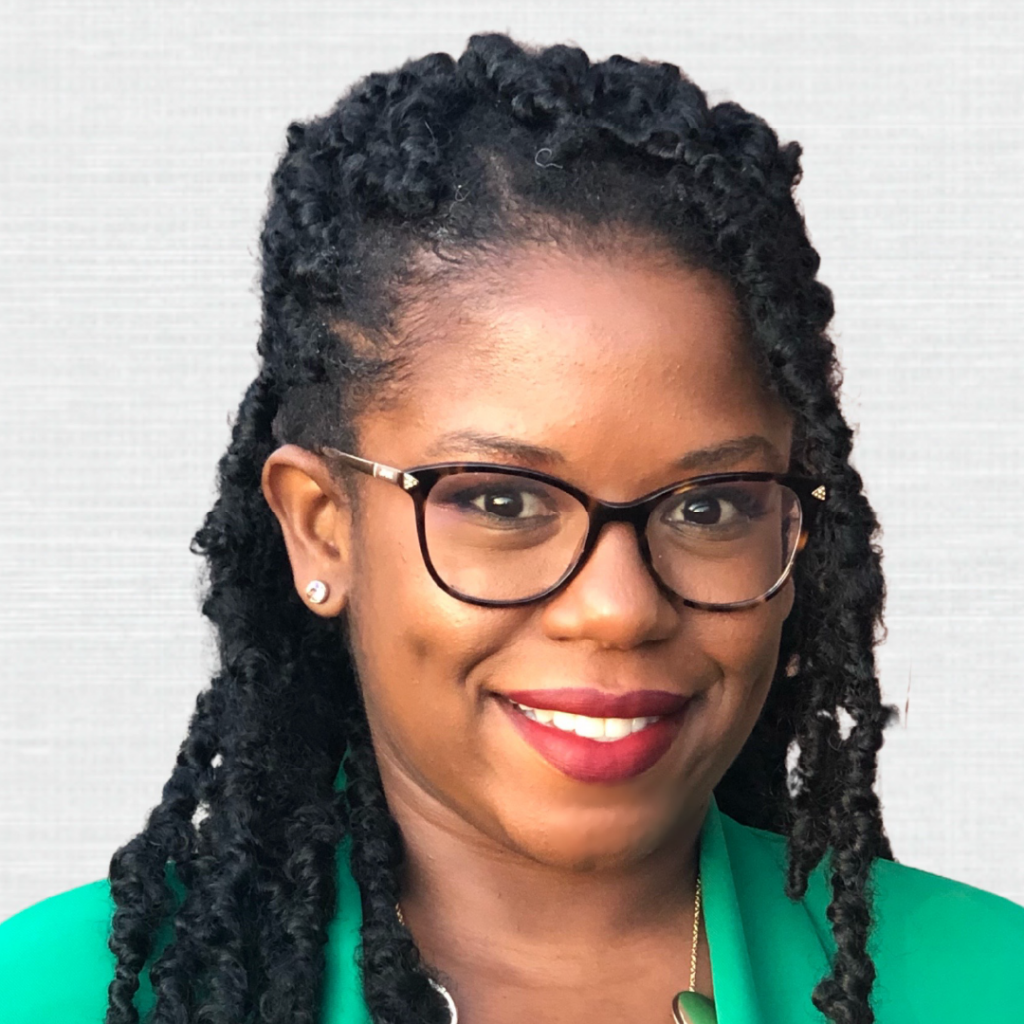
{"x":417,"y":174}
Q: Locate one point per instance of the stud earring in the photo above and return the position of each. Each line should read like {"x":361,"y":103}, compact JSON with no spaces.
{"x":316,"y":591}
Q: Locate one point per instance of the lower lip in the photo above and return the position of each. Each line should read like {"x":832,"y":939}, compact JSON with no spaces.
{"x":589,"y":760}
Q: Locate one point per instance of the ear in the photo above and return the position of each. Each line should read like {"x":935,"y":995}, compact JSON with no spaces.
{"x":315,"y":517}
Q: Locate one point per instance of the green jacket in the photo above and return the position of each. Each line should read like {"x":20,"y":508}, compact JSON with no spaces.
{"x":946,"y":953}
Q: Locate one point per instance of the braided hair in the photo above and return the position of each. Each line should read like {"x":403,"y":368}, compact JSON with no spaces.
{"x":458,"y":159}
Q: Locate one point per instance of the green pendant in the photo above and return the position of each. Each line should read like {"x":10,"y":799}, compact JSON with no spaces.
{"x":693,"y":1008}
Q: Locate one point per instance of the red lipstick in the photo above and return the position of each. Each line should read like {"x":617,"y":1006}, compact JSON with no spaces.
{"x":598,"y":760}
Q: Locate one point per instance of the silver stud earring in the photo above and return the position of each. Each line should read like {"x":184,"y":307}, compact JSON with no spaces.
{"x":316,"y":591}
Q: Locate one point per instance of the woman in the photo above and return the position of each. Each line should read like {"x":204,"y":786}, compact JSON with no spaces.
{"x":584,"y":724}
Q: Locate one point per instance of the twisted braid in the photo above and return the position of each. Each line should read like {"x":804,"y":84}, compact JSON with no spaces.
{"x":395,"y":985}
{"x":458,"y":159}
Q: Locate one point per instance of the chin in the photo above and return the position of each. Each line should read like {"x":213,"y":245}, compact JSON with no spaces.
{"x":590,"y":839}
{"x":561,"y":822}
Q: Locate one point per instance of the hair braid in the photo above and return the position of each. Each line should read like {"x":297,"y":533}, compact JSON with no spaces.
{"x":395,"y":983}
{"x":461,"y":158}
{"x":273,"y":822}
{"x":137,"y":876}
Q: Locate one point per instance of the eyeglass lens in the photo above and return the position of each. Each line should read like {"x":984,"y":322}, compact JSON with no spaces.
{"x":502,"y":537}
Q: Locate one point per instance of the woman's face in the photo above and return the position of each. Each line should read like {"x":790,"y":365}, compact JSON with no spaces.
{"x":607,"y":371}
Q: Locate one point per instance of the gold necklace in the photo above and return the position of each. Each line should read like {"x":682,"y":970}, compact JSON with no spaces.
{"x":689,"y":1007}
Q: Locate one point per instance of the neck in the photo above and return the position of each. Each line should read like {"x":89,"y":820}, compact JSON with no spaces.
{"x":479,"y":905}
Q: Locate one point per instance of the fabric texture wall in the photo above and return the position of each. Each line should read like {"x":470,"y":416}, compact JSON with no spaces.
{"x":136,"y":140}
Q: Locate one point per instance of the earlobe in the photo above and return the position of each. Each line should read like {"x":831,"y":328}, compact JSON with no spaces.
{"x":315,"y":518}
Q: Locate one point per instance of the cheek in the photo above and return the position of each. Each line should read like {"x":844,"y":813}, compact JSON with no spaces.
{"x":745,"y":647}
{"x":415,"y":646}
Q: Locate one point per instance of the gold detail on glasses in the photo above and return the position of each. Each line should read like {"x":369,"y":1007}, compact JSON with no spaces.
{"x":392,"y":475}
{"x":819,"y":493}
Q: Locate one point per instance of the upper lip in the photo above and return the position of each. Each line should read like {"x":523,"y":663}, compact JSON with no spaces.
{"x":592,"y":703}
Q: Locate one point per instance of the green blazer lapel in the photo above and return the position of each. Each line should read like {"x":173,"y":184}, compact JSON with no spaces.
{"x":767,"y":951}
{"x":736,"y":999}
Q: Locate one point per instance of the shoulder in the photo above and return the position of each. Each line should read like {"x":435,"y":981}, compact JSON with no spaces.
{"x":943,"y":950}
{"x":54,"y":958}
{"x":909,"y":897}
{"x":940,"y":943}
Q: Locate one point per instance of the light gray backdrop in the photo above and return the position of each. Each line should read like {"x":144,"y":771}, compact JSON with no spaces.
{"x":136,"y":141}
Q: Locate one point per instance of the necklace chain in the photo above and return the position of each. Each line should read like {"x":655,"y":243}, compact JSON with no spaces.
{"x":693,"y":951}
{"x":696,"y":933}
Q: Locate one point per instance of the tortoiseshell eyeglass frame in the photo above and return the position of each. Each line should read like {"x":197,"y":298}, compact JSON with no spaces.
{"x":418,"y":481}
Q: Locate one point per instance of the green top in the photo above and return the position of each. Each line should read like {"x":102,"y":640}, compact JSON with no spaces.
{"x":945,"y":952}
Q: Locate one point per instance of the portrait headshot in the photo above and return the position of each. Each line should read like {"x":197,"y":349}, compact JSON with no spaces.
{"x":510,"y":513}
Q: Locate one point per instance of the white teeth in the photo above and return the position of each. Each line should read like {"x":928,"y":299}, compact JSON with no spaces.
{"x":606,"y":730}
{"x":616,"y":728}
{"x":564,"y":721}
{"x":591,"y":728}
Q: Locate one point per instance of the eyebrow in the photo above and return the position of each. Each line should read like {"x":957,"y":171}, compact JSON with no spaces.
{"x":717,"y":456}
{"x":493,"y":444}
{"x":730,"y":452}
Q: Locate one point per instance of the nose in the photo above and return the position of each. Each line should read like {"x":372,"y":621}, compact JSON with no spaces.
{"x":613,"y":600}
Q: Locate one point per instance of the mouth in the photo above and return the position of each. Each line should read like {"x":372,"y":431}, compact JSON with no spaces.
{"x":593,"y":736}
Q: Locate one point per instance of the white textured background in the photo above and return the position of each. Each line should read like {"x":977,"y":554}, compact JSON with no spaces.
{"x":136,"y":141}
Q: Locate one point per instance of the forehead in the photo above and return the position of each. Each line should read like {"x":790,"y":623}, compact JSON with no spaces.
{"x":565,"y":306}
{"x":584,"y":353}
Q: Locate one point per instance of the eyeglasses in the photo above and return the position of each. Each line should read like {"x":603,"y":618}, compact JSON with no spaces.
{"x":496,"y":535}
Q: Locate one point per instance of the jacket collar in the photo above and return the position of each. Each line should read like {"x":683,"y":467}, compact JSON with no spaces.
{"x":735,"y":994}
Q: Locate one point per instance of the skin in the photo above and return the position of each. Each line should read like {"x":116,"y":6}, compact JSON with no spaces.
{"x":539,"y":896}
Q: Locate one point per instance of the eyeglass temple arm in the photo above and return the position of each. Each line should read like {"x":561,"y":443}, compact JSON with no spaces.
{"x":393,"y":476}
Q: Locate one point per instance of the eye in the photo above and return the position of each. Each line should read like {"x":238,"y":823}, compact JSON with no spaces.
{"x":717,"y":510}
{"x":510,"y":503}
{"x":706,"y":510}
{"x":498,"y":501}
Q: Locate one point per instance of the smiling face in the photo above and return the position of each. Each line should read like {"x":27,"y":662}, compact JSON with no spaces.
{"x":620,"y":374}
